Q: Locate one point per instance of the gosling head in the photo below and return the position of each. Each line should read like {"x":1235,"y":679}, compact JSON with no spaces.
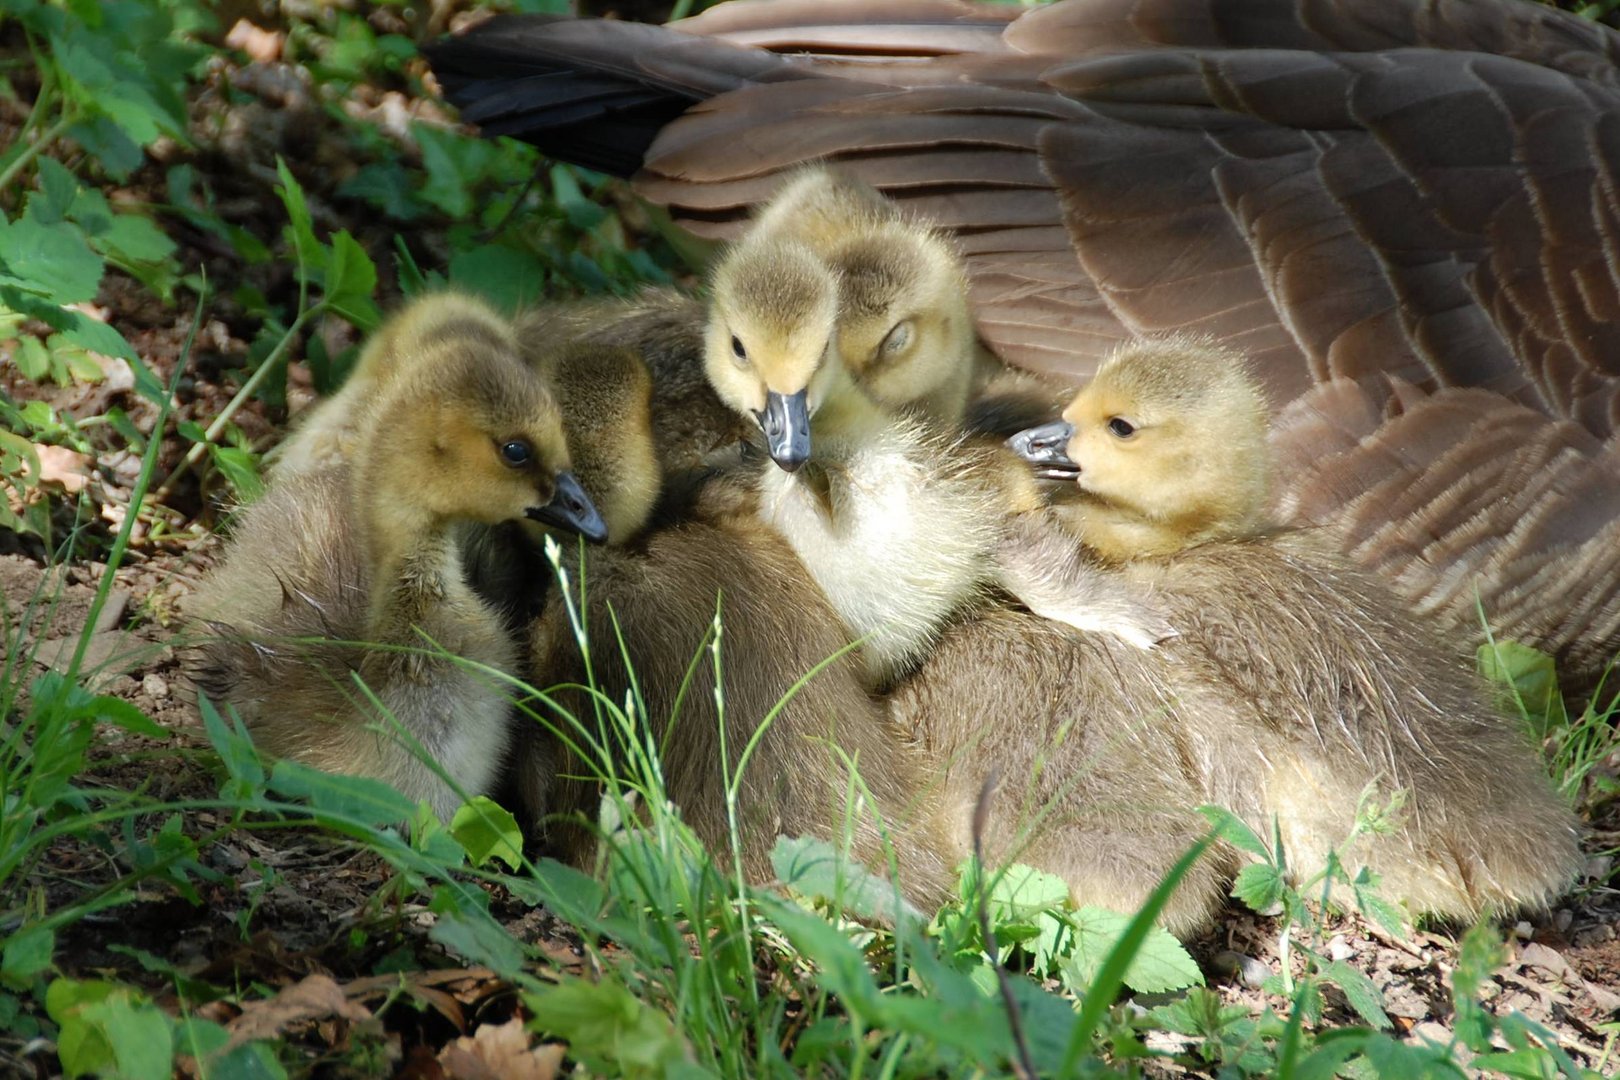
{"x":772,"y":319}
{"x":1169,"y":432}
{"x":904,"y":332}
{"x":467,"y":430}
{"x":605,"y":395}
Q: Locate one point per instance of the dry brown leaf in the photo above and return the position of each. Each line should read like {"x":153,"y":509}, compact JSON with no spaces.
{"x":59,"y":465}
{"x":500,"y":1052}
{"x":262,"y":45}
{"x":317,"y":997}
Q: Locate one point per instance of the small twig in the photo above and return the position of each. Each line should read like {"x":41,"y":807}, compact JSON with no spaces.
{"x":496,"y":229}
{"x":1412,"y":950}
{"x":34,"y":149}
{"x":246,"y":391}
{"x":1025,"y":1065}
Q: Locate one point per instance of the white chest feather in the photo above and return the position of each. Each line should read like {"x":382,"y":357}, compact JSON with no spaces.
{"x":899,"y":544}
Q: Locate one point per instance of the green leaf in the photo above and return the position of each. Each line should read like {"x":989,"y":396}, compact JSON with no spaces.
{"x":1236,"y":832}
{"x":51,"y":261}
{"x":1024,"y":890}
{"x":120,"y":713}
{"x":1105,"y":985}
{"x":469,"y":931}
{"x":1527,"y":679}
{"x":486,"y":830}
{"x":450,"y":161}
{"x":507,"y":278}
{"x":814,"y":868}
{"x":1259,"y":886}
{"x":115,"y":152}
{"x":109,"y":1030}
{"x":250,"y":1061}
{"x":359,"y":798}
{"x":1359,"y":991}
{"x":81,"y":329}
{"x":312,"y":254}
{"x":610,"y":1029}
{"x":240,"y":469}
{"x":1371,"y":904}
{"x":243,"y":767}
{"x":32,"y":358}
{"x":27,"y":953}
{"x":58,"y":187}
{"x":134,"y":239}
{"x":350,"y":282}
{"x":842,"y":966}
{"x":1160,"y":962}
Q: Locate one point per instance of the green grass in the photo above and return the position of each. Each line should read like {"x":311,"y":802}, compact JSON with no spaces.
{"x":691,"y":971}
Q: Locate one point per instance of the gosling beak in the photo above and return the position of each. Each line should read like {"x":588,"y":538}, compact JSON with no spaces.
{"x":1047,"y":448}
{"x":786,"y":423}
{"x":570,"y":508}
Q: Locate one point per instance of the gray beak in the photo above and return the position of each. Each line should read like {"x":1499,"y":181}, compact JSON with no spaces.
{"x":786,"y":423}
{"x":1047,"y":448}
{"x":570,"y":508}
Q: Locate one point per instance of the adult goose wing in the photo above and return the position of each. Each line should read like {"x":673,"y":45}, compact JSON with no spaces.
{"x":1386,"y":203}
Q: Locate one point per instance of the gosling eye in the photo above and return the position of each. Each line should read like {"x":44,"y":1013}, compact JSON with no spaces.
{"x":1121,"y":427}
{"x":898,"y":338}
{"x":738,"y":353}
{"x":517,"y":453}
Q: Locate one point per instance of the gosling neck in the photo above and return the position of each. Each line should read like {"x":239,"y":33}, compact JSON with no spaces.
{"x":1122,"y":534}
{"x":846,"y":419}
{"x":411,"y":547}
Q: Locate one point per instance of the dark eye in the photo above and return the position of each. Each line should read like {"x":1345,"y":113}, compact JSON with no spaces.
{"x":739,"y":353}
{"x":517,"y":452}
{"x":1121,"y":427}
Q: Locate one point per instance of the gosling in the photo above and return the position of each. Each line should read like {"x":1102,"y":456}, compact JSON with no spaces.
{"x":1336,"y":689}
{"x":658,"y":593}
{"x":341,"y":599}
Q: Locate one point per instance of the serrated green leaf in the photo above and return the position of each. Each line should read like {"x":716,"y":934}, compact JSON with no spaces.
{"x":1160,"y":962}
{"x":1359,"y":991}
{"x":108,"y":146}
{"x":351,"y":279}
{"x":487,"y":830}
{"x":1259,"y":886}
{"x":813,"y":867}
{"x":32,"y":358}
{"x":57,"y":189}
{"x":1235,"y":831}
{"x":134,"y":239}
{"x":53,"y":262}
{"x":27,"y":953}
{"x":361,"y":798}
{"x":1021,"y":890}
{"x":1372,"y":905}
{"x":312,"y":254}
{"x":78,"y":328}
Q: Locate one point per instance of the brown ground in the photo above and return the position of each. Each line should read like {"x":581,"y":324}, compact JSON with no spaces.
{"x":288,"y":911}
